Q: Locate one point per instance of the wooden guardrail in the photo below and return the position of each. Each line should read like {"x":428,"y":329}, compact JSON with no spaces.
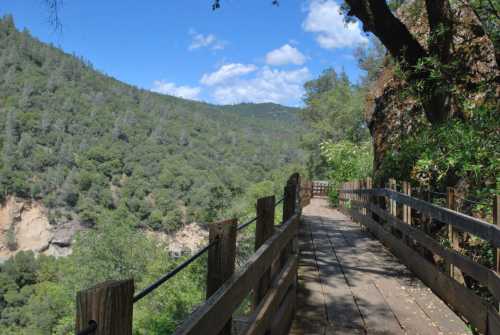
{"x":270,"y":273}
{"x":388,"y":215}
{"x":306,"y":193}
{"x":320,"y":188}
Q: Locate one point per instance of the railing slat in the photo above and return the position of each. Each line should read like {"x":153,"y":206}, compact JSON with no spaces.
{"x":263,"y":231}
{"x":211,"y":317}
{"x":480,"y":228}
{"x":267,"y":309}
{"x":454,"y":236}
{"x":462,"y":299}
{"x":477,"y":271}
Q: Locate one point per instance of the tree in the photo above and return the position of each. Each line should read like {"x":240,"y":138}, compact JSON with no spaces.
{"x":334,"y":112}
{"x":372,"y":60}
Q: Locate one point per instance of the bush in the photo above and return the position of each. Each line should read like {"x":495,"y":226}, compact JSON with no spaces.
{"x":457,"y":150}
{"x":347,"y":161}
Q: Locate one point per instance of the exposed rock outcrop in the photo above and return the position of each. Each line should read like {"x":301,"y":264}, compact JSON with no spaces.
{"x":185,"y":241}
{"x":24,"y":225}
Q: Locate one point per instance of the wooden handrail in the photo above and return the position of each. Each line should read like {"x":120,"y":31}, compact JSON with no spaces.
{"x":271,"y":271}
{"x":480,"y":228}
{"x":211,"y":317}
{"x":407,"y":242}
{"x":320,"y":188}
{"x":482,"y":274}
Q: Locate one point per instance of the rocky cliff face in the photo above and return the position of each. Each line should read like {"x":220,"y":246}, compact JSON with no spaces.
{"x":24,"y":225}
{"x":391,"y":115}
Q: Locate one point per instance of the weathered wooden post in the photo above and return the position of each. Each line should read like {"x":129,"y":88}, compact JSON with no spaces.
{"x":427,"y":219}
{"x":290,"y":197}
{"x":341,"y":196}
{"x":351,"y":197}
{"x":406,"y":208}
{"x":298,"y":194}
{"x":221,"y":259}
{"x":354,"y":198}
{"x":358,"y":195}
{"x":454,"y":236}
{"x":264,"y":230}
{"x":369,"y":198}
{"x":109,"y":305}
{"x":392,"y":203}
{"x":362,"y":186}
{"x":346,"y":195}
{"x":289,"y":209}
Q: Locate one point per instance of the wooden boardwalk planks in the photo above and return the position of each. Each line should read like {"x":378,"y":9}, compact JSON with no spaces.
{"x":350,"y":284}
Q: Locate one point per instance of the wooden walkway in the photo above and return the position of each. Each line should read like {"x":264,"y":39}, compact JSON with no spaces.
{"x":349,"y":283}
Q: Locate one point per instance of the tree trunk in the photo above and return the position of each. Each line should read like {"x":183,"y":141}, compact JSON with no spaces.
{"x":377,"y":18}
{"x":440,"y":43}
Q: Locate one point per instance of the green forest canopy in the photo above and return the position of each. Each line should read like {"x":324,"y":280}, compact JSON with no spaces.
{"x":118,"y":158}
{"x":85,"y":143}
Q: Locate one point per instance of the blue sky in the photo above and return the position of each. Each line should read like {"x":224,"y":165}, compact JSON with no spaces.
{"x":247,"y":51}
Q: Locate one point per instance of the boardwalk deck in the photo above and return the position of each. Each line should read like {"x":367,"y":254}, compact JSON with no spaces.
{"x":350,"y":284}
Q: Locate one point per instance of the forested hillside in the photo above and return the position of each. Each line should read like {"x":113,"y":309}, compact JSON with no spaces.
{"x":120,"y":160}
{"x":84,"y":143}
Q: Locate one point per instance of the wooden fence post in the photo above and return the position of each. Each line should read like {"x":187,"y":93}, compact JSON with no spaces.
{"x":297,"y":181}
{"x":344,"y":188}
{"x":289,"y":209}
{"x":362,"y":196}
{"x":454,"y":236}
{"x":392,"y":203}
{"x":221,"y":259}
{"x":427,"y":219}
{"x":358,"y":195}
{"x":109,"y":305}
{"x":351,"y":196}
{"x":264,"y":229}
{"x":342,"y":196}
{"x":354,"y":188}
{"x":407,"y":209}
{"x":290,"y":197}
{"x":369,"y":199}
{"x":347,"y":195}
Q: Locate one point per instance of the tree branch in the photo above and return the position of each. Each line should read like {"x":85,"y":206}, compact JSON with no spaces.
{"x":377,"y":18}
{"x":441,"y":28}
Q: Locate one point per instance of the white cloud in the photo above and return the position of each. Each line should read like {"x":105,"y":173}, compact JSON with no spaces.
{"x":205,"y":41}
{"x":227,"y":72}
{"x":186,"y":92}
{"x":285,"y":55}
{"x":324,"y":19}
{"x":269,"y":85}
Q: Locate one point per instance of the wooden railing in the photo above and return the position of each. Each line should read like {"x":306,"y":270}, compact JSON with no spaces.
{"x":320,"y":188}
{"x":388,"y":215}
{"x":270,"y":273}
{"x":306,"y":193}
